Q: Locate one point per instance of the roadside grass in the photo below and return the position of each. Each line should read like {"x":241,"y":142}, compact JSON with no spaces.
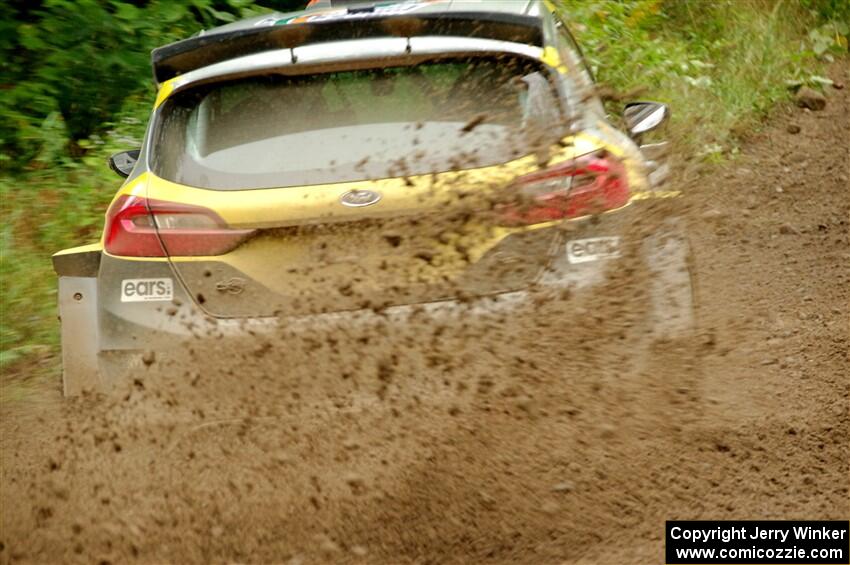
{"x":57,"y":203}
{"x":42,"y":213}
{"x":719,"y":64}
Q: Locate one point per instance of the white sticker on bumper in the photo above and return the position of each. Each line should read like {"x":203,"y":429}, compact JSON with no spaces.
{"x":146,"y":290}
{"x":593,"y":249}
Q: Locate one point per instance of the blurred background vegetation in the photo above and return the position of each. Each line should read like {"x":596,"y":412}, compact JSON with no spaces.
{"x":75,"y":86}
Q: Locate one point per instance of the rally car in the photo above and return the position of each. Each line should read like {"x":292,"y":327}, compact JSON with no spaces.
{"x":362,"y":156}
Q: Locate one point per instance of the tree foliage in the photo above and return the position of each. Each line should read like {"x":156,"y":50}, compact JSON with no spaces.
{"x":79,"y":61}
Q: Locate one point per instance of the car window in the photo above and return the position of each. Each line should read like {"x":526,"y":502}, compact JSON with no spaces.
{"x":579,"y":72}
{"x":277,"y":131}
{"x":570,"y":50}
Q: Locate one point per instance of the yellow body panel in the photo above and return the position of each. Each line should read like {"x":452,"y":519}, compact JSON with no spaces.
{"x":165,"y":90}
{"x":280,"y":207}
{"x":262,"y":207}
{"x":320,"y":204}
{"x":552,"y":58}
{"x":81,"y":249}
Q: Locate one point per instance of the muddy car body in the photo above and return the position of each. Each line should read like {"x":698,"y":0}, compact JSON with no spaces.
{"x":360,"y":158}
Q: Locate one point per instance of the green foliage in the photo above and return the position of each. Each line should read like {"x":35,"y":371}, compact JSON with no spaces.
{"x":830,"y":38}
{"x":46,"y":210}
{"x":82,"y":59}
{"x":58,"y":203}
{"x":829,"y":10}
{"x":719,"y":64}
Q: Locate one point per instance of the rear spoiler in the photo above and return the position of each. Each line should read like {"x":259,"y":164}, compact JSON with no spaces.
{"x":189,"y":54}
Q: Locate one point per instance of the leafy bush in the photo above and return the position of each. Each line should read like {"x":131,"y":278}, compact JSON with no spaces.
{"x":829,"y":10}
{"x":59,"y":203}
{"x":82,"y":59}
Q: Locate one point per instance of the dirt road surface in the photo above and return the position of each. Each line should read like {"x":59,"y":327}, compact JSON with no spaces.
{"x":538,"y":439}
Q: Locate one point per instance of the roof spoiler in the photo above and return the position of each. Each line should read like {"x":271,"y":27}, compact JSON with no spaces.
{"x":189,"y":54}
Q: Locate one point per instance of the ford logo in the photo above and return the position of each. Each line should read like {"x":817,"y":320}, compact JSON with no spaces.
{"x":357,"y":198}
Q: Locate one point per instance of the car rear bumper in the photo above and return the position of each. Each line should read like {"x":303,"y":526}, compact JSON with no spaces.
{"x":175,"y":334}
{"x":142,"y":326}
{"x":582,"y":262}
{"x":132,"y":315}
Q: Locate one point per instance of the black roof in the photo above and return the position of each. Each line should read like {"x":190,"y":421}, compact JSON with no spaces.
{"x":509,"y":20}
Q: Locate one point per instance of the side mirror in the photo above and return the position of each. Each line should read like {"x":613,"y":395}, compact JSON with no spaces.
{"x":123,"y":163}
{"x":642,"y":117}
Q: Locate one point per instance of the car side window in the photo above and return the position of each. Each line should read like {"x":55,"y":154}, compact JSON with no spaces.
{"x":570,"y":49}
{"x":570,"y":53}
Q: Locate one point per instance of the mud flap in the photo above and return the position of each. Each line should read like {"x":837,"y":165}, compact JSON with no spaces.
{"x":80,"y":339}
{"x":671,"y":290}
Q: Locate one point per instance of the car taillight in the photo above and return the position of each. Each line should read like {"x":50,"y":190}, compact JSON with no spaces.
{"x":141,"y":227}
{"x":588,"y":184}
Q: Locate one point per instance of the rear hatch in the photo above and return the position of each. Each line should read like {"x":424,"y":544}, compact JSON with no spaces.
{"x":350,"y":189}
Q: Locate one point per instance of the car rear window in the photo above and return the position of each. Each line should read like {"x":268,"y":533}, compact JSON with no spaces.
{"x":278,"y":131}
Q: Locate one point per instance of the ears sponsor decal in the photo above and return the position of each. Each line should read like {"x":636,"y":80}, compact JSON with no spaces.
{"x":147,"y":290}
{"x":593,"y":249}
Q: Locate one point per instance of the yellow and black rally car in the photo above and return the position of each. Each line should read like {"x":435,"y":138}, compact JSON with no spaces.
{"x":354,"y":156}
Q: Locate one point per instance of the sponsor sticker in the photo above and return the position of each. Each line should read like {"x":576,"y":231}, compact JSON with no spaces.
{"x":592,"y":249}
{"x":146,"y":290}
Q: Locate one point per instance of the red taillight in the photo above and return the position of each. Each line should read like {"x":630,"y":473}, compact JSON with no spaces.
{"x":140,"y":227}
{"x":586,"y":185}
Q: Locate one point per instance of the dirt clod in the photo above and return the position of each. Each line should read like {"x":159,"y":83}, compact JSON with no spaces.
{"x":809,"y":98}
{"x":788,"y":229}
{"x":149,"y":358}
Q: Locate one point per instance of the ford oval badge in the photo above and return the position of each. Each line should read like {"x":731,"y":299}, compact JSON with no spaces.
{"x":357,"y":198}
